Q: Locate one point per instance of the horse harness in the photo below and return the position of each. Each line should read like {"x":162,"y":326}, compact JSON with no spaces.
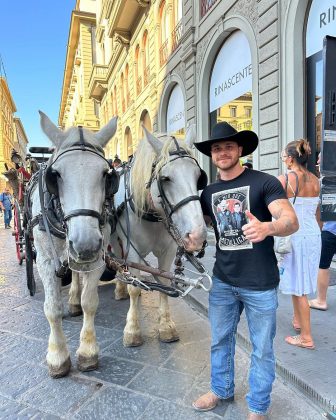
{"x":52,"y":219}
{"x":168,"y":208}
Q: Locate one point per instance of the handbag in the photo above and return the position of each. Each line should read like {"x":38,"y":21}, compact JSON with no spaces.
{"x":283,"y":244}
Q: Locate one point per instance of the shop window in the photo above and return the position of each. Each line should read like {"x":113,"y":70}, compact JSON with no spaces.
{"x":175,"y":123}
{"x":321,"y":22}
{"x":230,"y":93}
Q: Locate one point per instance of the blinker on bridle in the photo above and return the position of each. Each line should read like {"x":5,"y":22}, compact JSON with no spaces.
{"x":85,"y":147}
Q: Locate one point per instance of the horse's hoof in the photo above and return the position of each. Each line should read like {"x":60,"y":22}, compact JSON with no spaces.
{"x":60,"y":371}
{"x":168,"y":336}
{"x":75,"y":310}
{"x":85,"y":364}
{"x":132,"y":340}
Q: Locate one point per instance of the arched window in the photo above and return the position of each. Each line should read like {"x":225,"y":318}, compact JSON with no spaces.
{"x":127,"y":93}
{"x":138,"y":78}
{"x":115,"y":101}
{"x":145,"y":58}
{"x":128,"y":142}
{"x":177,"y":24}
{"x":146,"y":121}
{"x":164,"y":33}
{"x":122,"y":92}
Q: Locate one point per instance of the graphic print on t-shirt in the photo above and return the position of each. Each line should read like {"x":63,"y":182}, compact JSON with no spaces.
{"x":229,"y":207}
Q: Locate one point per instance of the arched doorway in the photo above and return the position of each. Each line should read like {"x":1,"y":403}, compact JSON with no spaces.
{"x":128,"y":143}
{"x":146,"y":121}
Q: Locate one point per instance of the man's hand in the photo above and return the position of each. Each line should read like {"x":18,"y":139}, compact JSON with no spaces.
{"x":255,"y":230}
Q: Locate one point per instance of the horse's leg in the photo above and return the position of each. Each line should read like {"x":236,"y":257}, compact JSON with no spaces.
{"x":167,"y":328}
{"x":121,"y":292}
{"x":75,"y":308}
{"x":58,"y":357}
{"x":87,"y":353}
{"x":132,"y":333}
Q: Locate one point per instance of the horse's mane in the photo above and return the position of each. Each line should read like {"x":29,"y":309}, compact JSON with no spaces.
{"x":141,"y":172}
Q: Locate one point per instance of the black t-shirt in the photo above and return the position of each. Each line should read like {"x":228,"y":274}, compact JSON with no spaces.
{"x":239,"y":262}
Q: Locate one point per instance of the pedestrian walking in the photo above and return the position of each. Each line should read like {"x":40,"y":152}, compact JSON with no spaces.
{"x":245,"y":274}
{"x":6,"y":204}
{"x":299,"y":267}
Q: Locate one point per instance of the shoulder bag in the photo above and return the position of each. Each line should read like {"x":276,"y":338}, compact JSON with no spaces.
{"x":283,"y":244}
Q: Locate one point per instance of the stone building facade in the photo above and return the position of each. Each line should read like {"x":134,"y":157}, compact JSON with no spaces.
{"x":169,"y":63}
{"x":7,"y":129}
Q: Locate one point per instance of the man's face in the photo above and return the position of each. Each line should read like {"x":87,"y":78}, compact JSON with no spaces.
{"x":225,"y":154}
{"x":223,"y":205}
{"x":237,"y":208}
{"x":7,"y":192}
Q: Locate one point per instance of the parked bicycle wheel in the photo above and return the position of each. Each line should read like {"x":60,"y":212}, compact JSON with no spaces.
{"x":18,"y":233}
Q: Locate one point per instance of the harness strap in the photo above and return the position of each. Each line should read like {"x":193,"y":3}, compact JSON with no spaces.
{"x":85,"y":212}
{"x":183,"y":202}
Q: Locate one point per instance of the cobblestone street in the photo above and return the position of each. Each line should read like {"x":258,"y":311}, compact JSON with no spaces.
{"x":155,"y":381}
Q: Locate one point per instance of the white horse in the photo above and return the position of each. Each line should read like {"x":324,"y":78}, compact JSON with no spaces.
{"x":164,"y":178}
{"x":79,"y":175}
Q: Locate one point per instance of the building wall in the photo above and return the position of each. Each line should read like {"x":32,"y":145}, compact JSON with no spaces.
{"x":7,"y":139}
{"x":275,"y":31}
{"x":21,"y":140}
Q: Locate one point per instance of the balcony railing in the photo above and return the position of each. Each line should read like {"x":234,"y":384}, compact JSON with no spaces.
{"x":139,"y":85}
{"x":206,"y":5}
{"x":163,"y":53}
{"x":146,"y":76}
{"x":176,"y":35}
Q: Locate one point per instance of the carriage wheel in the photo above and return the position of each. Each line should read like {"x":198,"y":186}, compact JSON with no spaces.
{"x":18,"y":233}
{"x":30,"y":256}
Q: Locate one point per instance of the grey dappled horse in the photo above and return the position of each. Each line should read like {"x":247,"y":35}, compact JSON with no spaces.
{"x":161,"y":166}
{"x":77,"y":172}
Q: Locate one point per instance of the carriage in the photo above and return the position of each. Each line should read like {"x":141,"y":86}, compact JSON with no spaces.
{"x":74,"y":227}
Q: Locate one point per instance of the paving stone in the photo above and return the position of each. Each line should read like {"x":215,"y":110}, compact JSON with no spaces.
{"x":165,"y":410}
{"x":18,"y":321}
{"x":114,"y":370}
{"x":16,"y":381}
{"x":184,"y":366}
{"x":163,"y":383}
{"x":27,"y":350}
{"x":152,"y":351}
{"x":61,"y":396}
{"x":114,"y":403}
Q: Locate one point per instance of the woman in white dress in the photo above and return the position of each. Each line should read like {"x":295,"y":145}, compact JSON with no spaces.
{"x":299,"y":269}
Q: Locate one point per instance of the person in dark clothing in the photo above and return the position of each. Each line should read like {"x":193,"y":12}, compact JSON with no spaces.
{"x":245,"y":274}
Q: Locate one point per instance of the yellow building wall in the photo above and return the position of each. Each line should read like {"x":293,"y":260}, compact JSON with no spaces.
{"x":7,"y":140}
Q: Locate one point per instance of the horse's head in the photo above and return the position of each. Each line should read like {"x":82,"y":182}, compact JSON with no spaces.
{"x":175,"y":180}
{"x":79,"y":175}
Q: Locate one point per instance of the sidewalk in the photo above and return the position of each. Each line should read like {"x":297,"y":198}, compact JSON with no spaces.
{"x":157,"y":381}
{"x":313,"y":372}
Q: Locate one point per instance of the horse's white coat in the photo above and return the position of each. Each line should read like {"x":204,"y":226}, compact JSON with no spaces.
{"x":81,"y":186}
{"x":153,"y":237}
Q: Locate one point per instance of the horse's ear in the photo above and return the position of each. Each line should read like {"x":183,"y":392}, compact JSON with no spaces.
{"x":107,"y":132}
{"x":190,"y":135}
{"x":54,"y":134}
{"x":153,"y":141}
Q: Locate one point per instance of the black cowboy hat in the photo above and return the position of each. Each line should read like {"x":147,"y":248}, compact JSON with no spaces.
{"x":224,"y":131}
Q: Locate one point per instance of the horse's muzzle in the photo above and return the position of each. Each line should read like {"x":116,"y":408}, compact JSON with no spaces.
{"x":83,"y":254}
{"x":193,"y":241}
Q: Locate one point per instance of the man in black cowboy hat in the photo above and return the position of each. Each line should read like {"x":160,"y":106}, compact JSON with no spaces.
{"x":245,"y":274}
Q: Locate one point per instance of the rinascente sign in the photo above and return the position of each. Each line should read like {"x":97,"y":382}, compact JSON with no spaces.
{"x":232,"y":72}
{"x":175,"y":111}
{"x":321,"y":22}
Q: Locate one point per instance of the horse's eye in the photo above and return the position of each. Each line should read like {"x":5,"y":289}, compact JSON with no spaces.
{"x":165,"y":178}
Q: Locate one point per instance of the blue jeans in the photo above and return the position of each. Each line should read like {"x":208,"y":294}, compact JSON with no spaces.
{"x":226,"y":303}
{"x":7,"y":216}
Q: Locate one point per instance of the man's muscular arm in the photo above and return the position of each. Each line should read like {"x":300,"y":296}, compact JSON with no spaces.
{"x":285,"y":222}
